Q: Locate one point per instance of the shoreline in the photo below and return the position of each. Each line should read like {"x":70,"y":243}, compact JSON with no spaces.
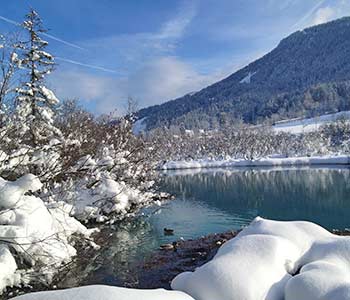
{"x":164,"y":265}
{"x":341,"y":160}
{"x":158,"y":270}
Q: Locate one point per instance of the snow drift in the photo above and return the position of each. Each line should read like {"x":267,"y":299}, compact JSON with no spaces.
{"x":32,"y":234}
{"x":274,"y":260}
{"x":100,"y":292}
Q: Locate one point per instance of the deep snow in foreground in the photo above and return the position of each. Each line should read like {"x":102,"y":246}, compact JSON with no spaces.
{"x":298,"y":126}
{"x":263,"y":162}
{"x":268,"y":260}
{"x":274,"y":260}
{"x":101,"y":292}
{"x":32,"y":234}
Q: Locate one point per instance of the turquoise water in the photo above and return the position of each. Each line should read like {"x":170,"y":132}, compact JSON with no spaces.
{"x":218,"y":200}
{"x":213,"y":201}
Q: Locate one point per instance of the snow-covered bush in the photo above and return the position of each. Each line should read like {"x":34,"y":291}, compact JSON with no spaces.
{"x":107,"y":170}
{"x":246,"y":142}
{"x":338,"y":135}
{"x":34,"y":239}
{"x":97,"y":194}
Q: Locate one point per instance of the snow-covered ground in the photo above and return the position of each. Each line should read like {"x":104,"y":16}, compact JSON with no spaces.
{"x":101,"y":292}
{"x":274,"y":260}
{"x":263,"y":162}
{"x":297,"y":126}
{"x":268,"y":260}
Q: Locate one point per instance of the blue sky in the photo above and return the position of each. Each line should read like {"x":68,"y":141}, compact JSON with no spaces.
{"x":157,"y":50}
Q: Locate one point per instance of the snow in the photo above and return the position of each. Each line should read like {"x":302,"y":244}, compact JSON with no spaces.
{"x":248,"y":78}
{"x":8,"y":268}
{"x":100,"y":292}
{"x":263,"y":162}
{"x":274,"y":260}
{"x":102,"y":196}
{"x":139,"y":126}
{"x":109,"y":199}
{"x":189,"y":132}
{"x":37,"y":234}
{"x":298,"y":126}
{"x":49,"y":95}
{"x":14,"y":57}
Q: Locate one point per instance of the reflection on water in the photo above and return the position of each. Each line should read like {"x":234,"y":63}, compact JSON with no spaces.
{"x":318,"y":195}
{"x":219,"y":200}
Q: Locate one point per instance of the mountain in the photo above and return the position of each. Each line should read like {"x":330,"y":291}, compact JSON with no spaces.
{"x":307,"y":74}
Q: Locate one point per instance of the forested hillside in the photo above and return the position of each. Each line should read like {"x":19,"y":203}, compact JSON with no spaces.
{"x":307,"y":74}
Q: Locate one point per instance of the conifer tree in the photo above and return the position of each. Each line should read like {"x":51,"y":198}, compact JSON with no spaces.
{"x":35,"y":102}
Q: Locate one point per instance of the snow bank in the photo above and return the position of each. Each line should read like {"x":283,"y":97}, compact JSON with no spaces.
{"x":263,"y":162}
{"x":39,"y":236}
{"x":274,"y":260}
{"x":100,"y":292}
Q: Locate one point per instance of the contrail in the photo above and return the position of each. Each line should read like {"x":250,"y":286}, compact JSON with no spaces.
{"x":68,"y":44}
{"x":86,"y":65}
{"x":44,"y":34}
{"x":9,"y":21}
{"x":62,"y":41}
{"x":308,"y":14}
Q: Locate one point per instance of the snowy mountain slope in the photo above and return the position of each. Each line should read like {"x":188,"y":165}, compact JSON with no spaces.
{"x":306,"y":75}
{"x":308,"y":125}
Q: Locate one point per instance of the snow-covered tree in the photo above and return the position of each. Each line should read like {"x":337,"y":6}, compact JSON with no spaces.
{"x":35,"y":102}
{"x":7,"y":69}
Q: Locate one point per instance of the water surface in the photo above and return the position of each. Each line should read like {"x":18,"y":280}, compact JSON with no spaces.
{"x":212,"y":201}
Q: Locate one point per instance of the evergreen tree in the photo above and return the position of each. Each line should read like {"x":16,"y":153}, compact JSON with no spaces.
{"x":34,"y":101}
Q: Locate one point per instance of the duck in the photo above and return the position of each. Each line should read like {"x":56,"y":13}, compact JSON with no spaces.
{"x":172,"y":246}
{"x":168,"y":231}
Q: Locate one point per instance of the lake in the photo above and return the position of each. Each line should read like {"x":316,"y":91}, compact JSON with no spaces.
{"x":217,"y":200}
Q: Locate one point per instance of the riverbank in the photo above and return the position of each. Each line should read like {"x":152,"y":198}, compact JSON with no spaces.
{"x":263,"y":162}
{"x":164,"y":265}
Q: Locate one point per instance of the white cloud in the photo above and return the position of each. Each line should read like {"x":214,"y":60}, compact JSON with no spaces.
{"x":156,"y":81}
{"x":175,"y":28}
{"x":141,"y":46}
{"x":82,"y":85}
{"x":323,"y":15}
{"x":164,"y":79}
{"x":306,"y":17}
{"x":153,"y":75}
